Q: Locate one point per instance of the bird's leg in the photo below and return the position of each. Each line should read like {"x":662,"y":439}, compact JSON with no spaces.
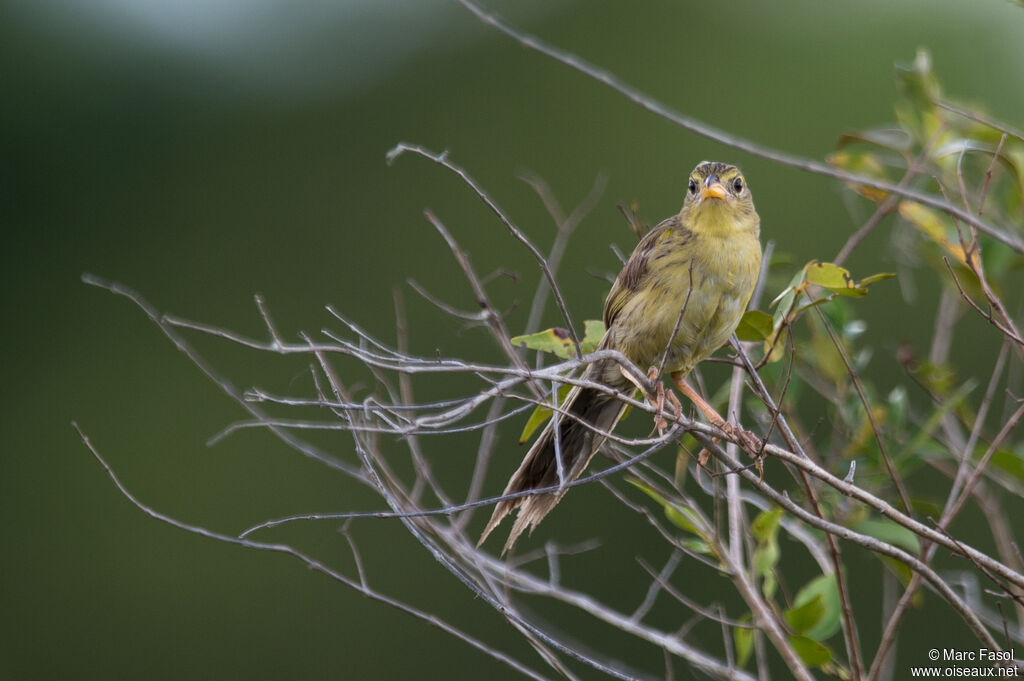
{"x":744,"y":438}
{"x":658,"y":398}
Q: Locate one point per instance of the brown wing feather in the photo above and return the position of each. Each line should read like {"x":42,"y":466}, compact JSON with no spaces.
{"x":635,"y":269}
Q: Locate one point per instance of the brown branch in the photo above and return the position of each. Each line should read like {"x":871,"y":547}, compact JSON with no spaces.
{"x":705,"y":130}
{"x":442,"y":159}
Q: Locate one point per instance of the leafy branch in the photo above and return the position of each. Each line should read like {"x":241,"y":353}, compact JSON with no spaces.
{"x":839,"y":493}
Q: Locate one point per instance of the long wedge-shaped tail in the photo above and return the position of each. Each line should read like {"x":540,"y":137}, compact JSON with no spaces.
{"x":586,"y":413}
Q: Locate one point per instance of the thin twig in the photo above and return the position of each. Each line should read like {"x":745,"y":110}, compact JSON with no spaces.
{"x":705,"y":130}
{"x":442,"y":159}
{"x":312,"y":564}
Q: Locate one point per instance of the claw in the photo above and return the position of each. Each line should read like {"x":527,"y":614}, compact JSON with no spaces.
{"x":744,"y":438}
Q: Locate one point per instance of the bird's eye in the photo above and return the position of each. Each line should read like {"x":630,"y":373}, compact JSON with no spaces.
{"x":693,"y":186}
{"x":737,"y":185}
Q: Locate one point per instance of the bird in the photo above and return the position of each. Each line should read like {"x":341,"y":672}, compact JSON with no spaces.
{"x":678,"y":298}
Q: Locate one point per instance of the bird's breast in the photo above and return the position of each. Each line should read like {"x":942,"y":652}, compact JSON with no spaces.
{"x":689,"y":306}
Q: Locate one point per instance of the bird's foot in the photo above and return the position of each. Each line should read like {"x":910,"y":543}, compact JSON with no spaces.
{"x":744,"y":438}
{"x":658,"y":400}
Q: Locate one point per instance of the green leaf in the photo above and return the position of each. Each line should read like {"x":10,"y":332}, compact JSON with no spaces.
{"x":795,"y":286}
{"x":813,"y":654}
{"x":935,"y":226}
{"x":765,"y":529}
{"x":766,"y":525}
{"x":833,"y":278}
{"x":555,"y":340}
{"x":823,"y":589}
{"x":593,"y":332}
{"x":766,"y":557}
{"x":904,"y":574}
{"x":861,"y":163}
{"x":800,"y":618}
{"x":895,"y":139}
{"x":681,"y":516}
{"x":743,"y":637}
{"x":868,"y":281}
{"x":541,"y":414}
{"x":914,"y":447}
{"x":889,"y":532}
{"x":775,"y":347}
{"x":828,"y":275}
{"x":697,"y":546}
{"x":755,"y":325}
{"x":1008,"y":462}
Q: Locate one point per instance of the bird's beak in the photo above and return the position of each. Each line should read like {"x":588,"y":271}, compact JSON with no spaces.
{"x":712,"y":189}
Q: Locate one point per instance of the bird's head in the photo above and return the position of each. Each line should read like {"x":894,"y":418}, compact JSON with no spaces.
{"x":718,"y":201}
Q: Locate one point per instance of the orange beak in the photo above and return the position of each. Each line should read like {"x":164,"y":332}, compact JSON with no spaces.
{"x":715,"y":190}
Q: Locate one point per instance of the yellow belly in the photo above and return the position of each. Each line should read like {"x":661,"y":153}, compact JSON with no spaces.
{"x":712,"y":294}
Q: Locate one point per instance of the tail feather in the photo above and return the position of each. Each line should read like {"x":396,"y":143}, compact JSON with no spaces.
{"x":589,"y":412}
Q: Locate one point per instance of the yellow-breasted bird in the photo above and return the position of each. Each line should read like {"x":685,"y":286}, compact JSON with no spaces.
{"x":678,"y":299}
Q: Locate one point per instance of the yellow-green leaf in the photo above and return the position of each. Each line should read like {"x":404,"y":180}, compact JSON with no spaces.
{"x":555,"y":340}
{"x":766,"y":524}
{"x":765,"y":529}
{"x":868,"y":281}
{"x":802,"y":617}
{"x":861,"y":163}
{"x":1008,"y":462}
{"x":895,"y":139}
{"x":889,"y":532}
{"x":697,"y":546}
{"x":755,"y":325}
{"x":775,"y":347}
{"x":935,"y":226}
{"x":825,"y":589}
{"x":681,"y":516}
{"x":541,"y":414}
{"x":813,"y":654}
{"x":766,"y":556}
{"x":593,"y":332}
{"x":829,"y":275}
{"x":743,"y":637}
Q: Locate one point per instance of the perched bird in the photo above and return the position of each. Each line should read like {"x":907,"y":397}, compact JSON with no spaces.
{"x":678,"y":299}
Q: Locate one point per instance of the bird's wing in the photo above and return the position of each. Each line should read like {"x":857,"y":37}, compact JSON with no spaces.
{"x":635,"y":270}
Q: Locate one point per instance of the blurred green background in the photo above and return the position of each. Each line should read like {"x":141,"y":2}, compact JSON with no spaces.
{"x":205,"y":151}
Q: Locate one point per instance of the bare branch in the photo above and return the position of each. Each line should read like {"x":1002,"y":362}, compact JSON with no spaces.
{"x":705,"y":130}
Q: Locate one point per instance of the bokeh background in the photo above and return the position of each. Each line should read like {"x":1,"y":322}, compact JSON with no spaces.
{"x":205,"y":151}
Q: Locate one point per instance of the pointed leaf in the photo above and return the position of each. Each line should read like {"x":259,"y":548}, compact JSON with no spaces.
{"x":743,"y":637}
{"x":861,"y":163}
{"x":828,"y":275}
{"x":800,"y":618}
{"x":825,"y":588}
{"x":697,"y":546}
{"x":755,"y":325}
{"x":541,"y":414}
{"x":795,"y":285}
{"x":889,"y":532}
{"x":556,"y":340}
{"x":765,"y":530}
{"x":766,"y":524}
{"x":681,"y":516}
{"x":813,"y":654}
{"x":868,"y":281}
{"x":895,"y":139}
{"x":1008,"y":462}
{"x":934,"y":225}
{"x":593,"y":332}
{"x":766,"y":557}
